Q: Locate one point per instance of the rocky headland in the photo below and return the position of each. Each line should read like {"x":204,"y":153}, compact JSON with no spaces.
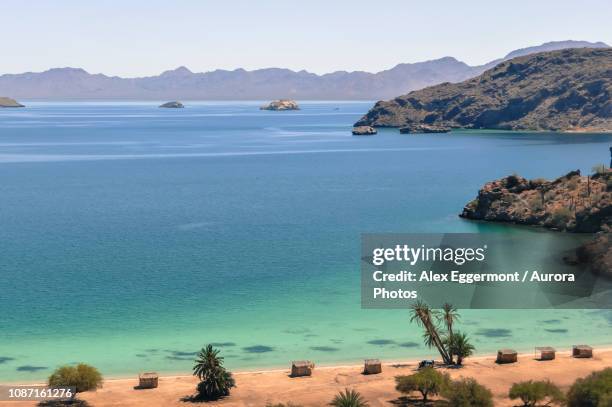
{"x":572,"y":203}
{"x":566,"y":90}
{"x":8,"y":102}
{"x":173,"y":105}
{"x":281,"y":104}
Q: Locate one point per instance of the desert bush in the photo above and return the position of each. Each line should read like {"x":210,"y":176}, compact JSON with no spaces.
{"x":595,"y":390}
{"x":561,"y":216}
{"x":82,"y":377}
{"x":512,"y":180}
{"x":428,"y":382}
{"x":536,"y":182}
{"x":549,"y":195}
{"x":468,"y":393}
{"x":533,"y":392}
{"x":599,"y":169}
{"x":349,"y":398}
{"x":573,"y":183}
{"x":535,"y":203}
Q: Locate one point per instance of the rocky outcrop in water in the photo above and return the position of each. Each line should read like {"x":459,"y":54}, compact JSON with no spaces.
{"x":282,"y":104}
{"x":572,"y":203}
{"x":173,"y":105}
{"x":568,"y":90}
{"x":364,"y":131}
{"x":8,"y":102}
{"x":423,"y":128}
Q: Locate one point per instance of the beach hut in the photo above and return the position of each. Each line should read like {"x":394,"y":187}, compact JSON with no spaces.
{"x":544,"y":353}
{"x":372,"y":366}
{"x":301,"y":368}
{"x":507,"y":356}
{"x":148,"y":380}
{"x":582,"y":351}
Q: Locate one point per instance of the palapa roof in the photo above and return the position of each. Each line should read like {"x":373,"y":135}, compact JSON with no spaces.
{"x":300,"y":363}
{"x":583,"y":347}
{"x":545,"y":349}
{"x":148,"y":375}
{"x":506,"y":351}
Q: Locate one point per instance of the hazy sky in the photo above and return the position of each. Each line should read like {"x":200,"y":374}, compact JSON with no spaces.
{"x":137,"y":38}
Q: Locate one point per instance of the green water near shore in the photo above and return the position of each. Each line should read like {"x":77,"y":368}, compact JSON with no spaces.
{"x":132,"y":236}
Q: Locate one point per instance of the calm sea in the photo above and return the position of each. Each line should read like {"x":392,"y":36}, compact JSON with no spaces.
{"x":130,"y":236}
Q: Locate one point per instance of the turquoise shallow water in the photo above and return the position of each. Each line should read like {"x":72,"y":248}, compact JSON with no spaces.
{"x":131,"y":235}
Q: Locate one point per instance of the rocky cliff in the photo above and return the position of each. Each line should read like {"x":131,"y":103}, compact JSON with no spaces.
{"x":572,"y":203}
{"x":566,"y":90}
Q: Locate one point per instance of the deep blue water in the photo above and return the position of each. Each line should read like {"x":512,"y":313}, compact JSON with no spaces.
{"x":131,"y":235}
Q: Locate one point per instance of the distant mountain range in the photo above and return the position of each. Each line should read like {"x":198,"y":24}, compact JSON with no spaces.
{"x":239,"y":84}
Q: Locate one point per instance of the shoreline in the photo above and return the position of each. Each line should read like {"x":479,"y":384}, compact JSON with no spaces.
{"x":259,"y":388}
{"x":478,"y":357}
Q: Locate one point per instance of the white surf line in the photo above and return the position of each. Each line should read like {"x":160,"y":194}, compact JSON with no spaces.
{"x":21,"y":158}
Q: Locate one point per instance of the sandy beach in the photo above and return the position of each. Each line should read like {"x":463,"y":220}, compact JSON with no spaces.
{"x":260,"y":388}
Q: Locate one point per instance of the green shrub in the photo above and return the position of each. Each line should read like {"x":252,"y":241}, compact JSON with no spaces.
{"x":427,"y":381}
{"x":468,"y":393}
{"x":595,"y":390}
{"x":83,"y":377}
{"x":349,"y":398}
{"x":532,"y":392}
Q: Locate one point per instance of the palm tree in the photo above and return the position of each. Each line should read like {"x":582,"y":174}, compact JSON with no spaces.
{"x":449,"y":315}
{"x":424,"y":316}
{"x":207,"y":361}
{"x":215,"y":381}
{"x":215,"y":385}
{"x":349,"y":398}
{"x":458,"y":344}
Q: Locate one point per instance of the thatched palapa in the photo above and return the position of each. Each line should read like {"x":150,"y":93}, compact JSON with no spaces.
{"x":507,"y":356}
{"x":582,"y":351}
{"x":148,"y":380}
{"x":545,"y":353}
{"x":301,"y":368}
{"x":372,"y":366}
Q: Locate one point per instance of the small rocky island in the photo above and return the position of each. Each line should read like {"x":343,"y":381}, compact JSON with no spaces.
{"x":364,"y":131}
{"x":173,"y":105}
{"x":8,"y":102}
{"x":571,"y":203}
{"x":281,"y":104}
